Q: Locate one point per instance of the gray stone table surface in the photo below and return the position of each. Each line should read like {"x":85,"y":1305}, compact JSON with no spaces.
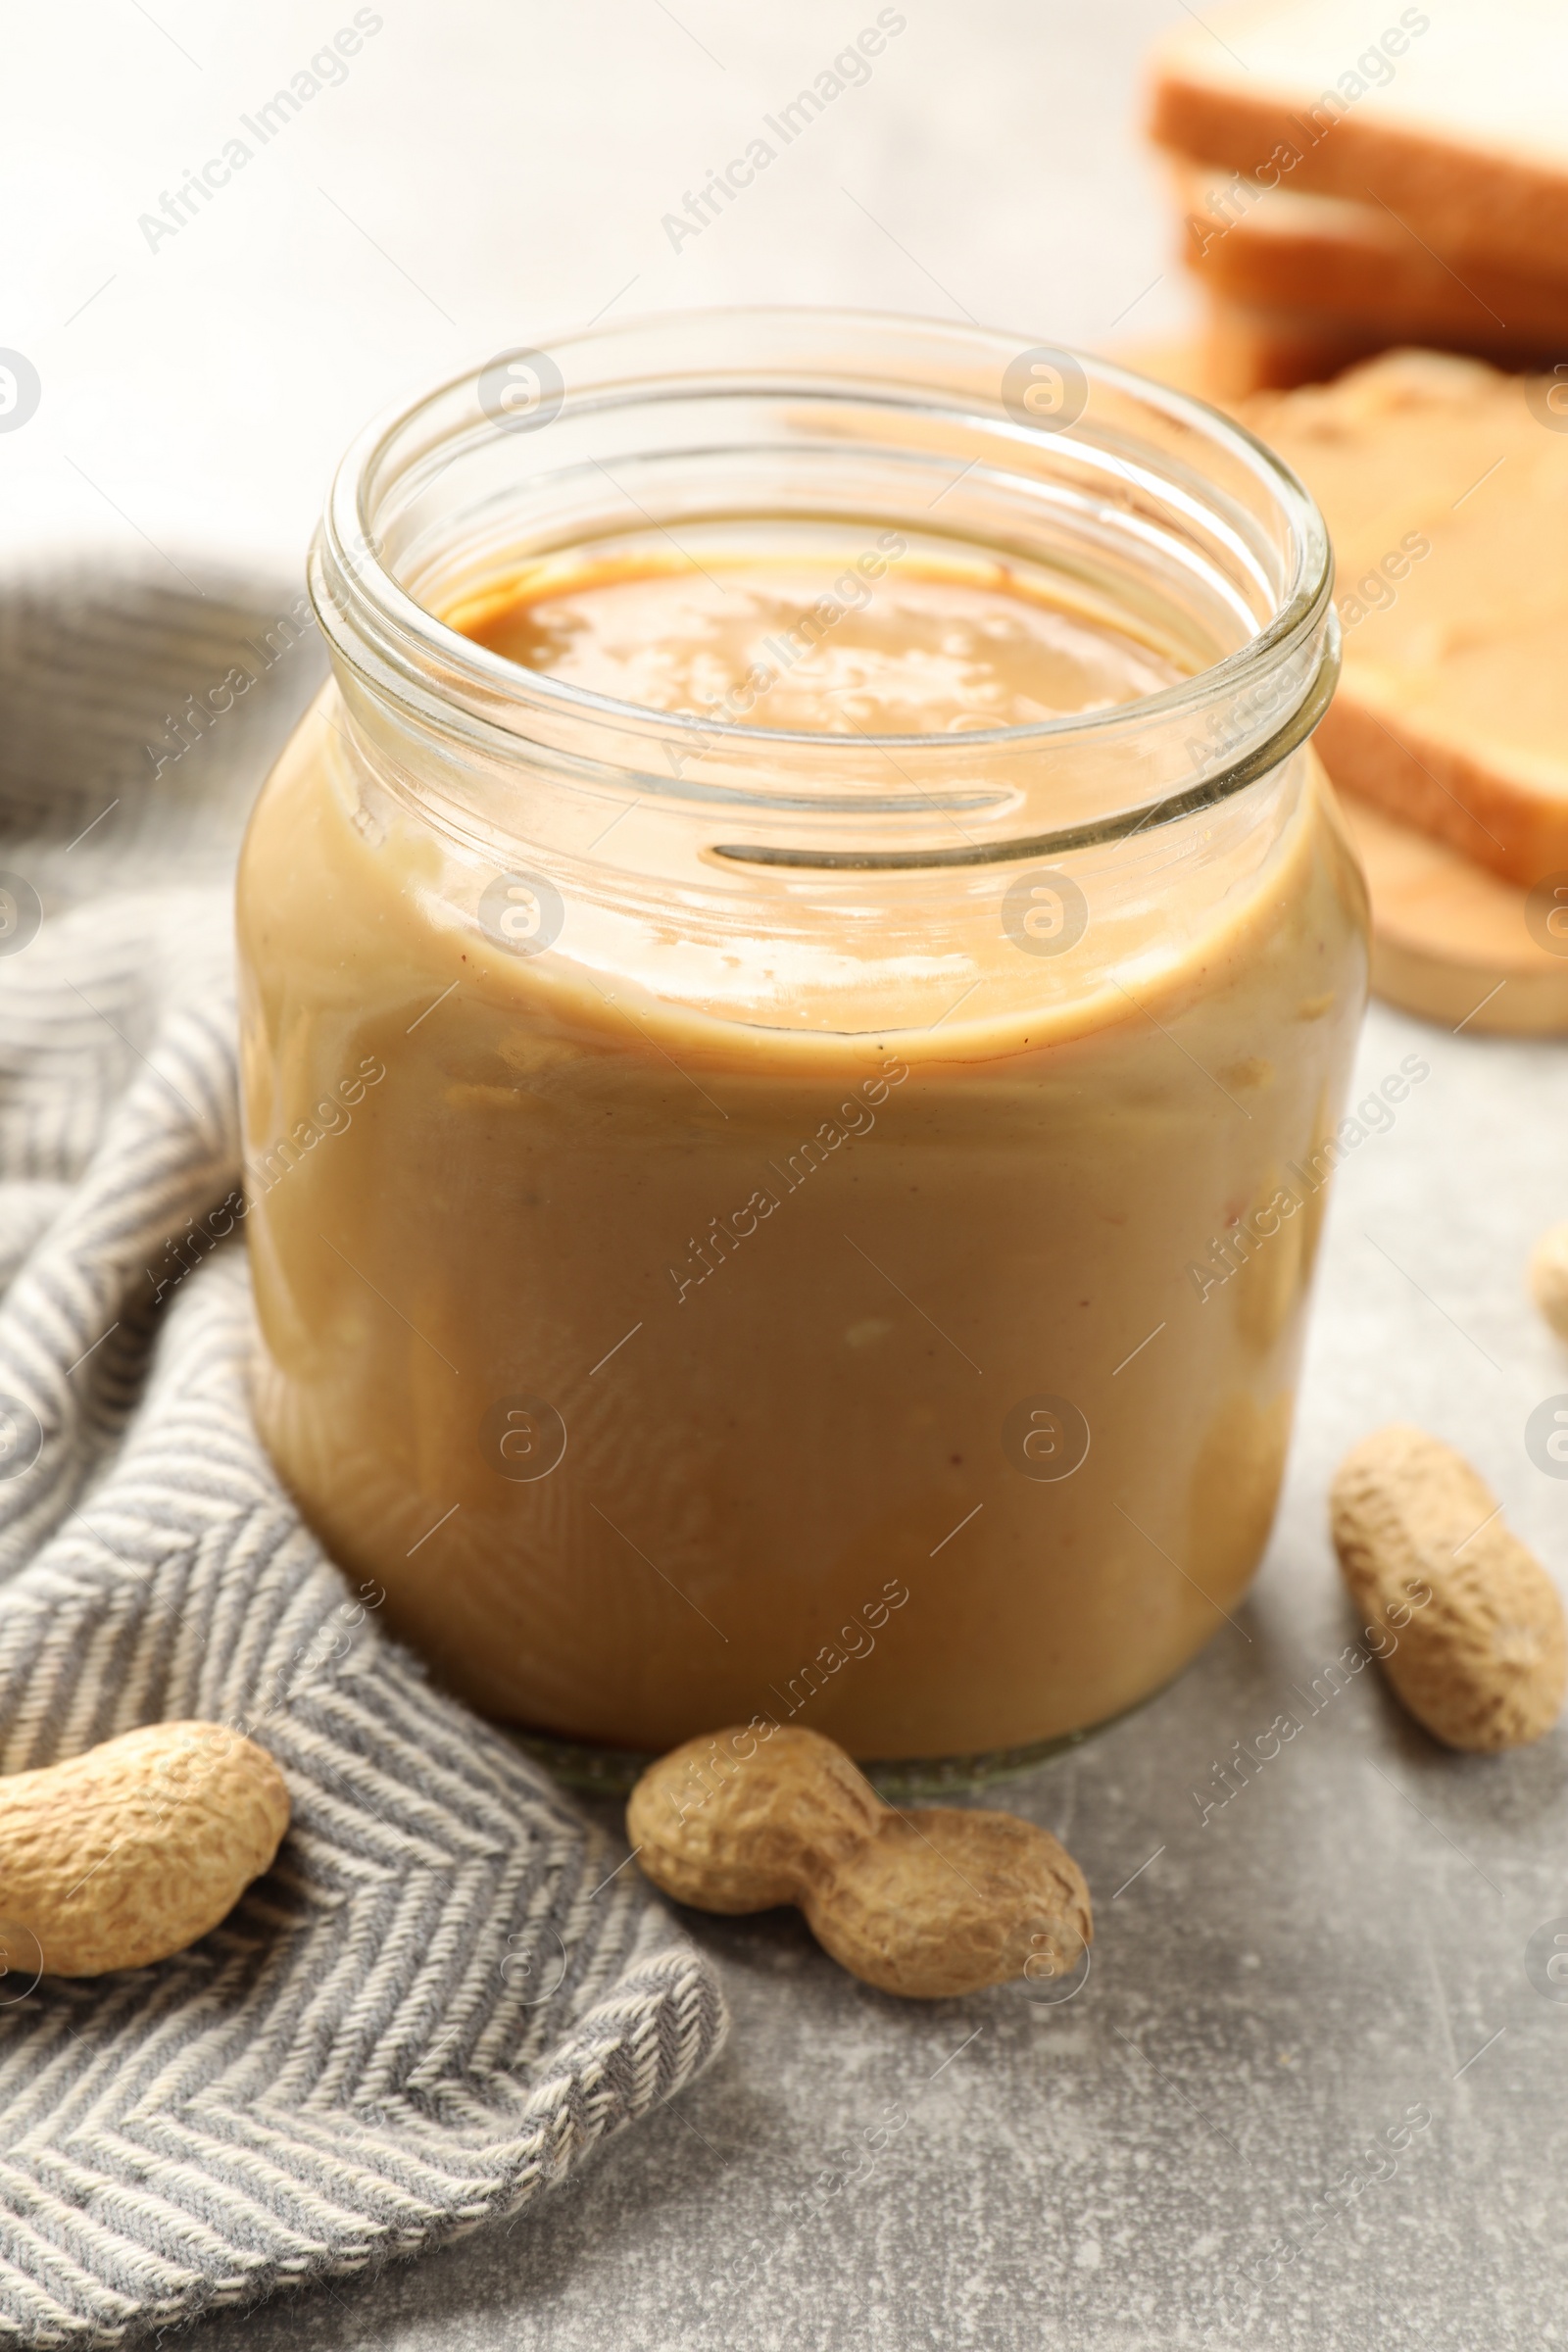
{"x":1274,"y":1990}
{"x":1318,"y":1982}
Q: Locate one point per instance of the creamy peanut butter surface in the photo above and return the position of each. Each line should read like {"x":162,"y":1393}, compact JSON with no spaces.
{"x":685,"y":1328}
{"x":778,"y":647}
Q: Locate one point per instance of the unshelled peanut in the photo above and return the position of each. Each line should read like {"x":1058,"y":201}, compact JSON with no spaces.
{"x":925,"y":1903}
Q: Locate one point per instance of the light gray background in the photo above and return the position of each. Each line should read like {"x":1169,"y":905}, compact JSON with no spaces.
{"x":492,"y":171}
{"x":1345,"y":1941}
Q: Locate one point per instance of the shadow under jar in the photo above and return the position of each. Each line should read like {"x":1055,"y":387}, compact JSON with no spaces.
{"x":800,"y":1203}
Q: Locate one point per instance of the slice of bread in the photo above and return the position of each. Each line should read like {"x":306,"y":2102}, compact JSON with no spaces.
{"x":1247,"y":349}
{"x":1281,"y":248}
{"x":1253,"y":347}
{"x":1445,"y":486}
{"x":1454,"y":117}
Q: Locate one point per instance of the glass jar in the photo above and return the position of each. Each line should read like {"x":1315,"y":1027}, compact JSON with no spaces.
{"x":765,"y":1223}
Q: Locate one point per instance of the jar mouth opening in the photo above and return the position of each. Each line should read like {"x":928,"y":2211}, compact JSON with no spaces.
{"x":1184,"y":486}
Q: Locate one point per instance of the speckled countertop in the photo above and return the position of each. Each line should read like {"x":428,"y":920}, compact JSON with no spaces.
{"x":1279,"y":1991}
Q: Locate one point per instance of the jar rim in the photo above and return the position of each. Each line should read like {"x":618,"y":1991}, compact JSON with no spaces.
{"x":399,"y":645}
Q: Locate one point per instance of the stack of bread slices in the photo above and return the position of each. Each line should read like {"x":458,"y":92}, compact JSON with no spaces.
{"x":1364,"y":179}
{"x":1352,"y":174}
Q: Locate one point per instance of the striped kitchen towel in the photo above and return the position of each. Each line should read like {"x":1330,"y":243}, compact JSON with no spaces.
{"x":445,"y":1992}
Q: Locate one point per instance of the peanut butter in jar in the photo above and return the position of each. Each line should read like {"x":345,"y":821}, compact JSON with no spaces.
{"x":861,"y":967}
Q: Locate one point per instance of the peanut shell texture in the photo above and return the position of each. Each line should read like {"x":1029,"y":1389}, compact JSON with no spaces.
{"x":135,"y":1848}
{"x":926,"y":1903}
{"x":1479,"y":1653}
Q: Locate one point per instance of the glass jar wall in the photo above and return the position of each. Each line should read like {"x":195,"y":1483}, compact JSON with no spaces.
{"x":759,"y":1204}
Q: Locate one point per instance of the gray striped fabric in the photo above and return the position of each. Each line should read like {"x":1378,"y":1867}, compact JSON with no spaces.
{"x":444,"y":1993}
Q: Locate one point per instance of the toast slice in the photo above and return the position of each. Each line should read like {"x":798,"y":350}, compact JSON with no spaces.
{"x":1253,"y":347}
{"x":1452,"y":117}
{"x":1445,"y":486}
{"x":1280,"y":248}
{"x":1248,"y":349}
